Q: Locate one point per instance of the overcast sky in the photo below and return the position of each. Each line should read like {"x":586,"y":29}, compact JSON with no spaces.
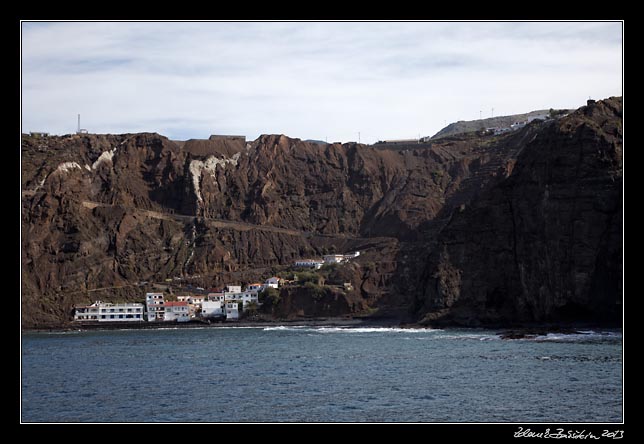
{"x":307,"y":80}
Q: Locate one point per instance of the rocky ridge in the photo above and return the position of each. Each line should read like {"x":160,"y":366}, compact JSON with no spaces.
{"x":468,"y":229}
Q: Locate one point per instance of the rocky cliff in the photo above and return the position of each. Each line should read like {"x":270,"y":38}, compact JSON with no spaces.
{"x":467,"y":229}
{"x":543,"y":242}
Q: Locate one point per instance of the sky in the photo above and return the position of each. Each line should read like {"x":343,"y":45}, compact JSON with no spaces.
{"x":334,"y":81}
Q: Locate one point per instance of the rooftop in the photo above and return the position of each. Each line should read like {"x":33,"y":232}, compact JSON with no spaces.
{"x":176,"y":304}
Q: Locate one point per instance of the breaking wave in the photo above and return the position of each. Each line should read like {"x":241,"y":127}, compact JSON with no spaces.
{"x":581,"y":336}
{"x":353,"y":330}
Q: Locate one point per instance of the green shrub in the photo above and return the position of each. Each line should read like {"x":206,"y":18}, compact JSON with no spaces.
{"x":316,"y":291}
{"x":269,"y":296}
{"x":307,"y":276}
{"x":251,"y":308}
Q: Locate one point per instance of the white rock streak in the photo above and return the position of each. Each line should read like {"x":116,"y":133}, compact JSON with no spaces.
{"x":104,"y":157}
{"x":197,"y":167}
{"x":66,"y":166}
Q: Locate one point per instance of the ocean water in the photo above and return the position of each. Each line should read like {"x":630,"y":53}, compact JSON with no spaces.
{"x":311,"y":374}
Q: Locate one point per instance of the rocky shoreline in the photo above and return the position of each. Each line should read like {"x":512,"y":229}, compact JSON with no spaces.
{"x":318,"y":322}
{"x":504,"y":332}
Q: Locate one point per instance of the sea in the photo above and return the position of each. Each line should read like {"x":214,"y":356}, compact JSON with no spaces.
{"x":320,"y":374}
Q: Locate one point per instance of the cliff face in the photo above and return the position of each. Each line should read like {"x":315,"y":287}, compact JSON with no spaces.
{"x":544,"y":243}
{"x":540,"y":207}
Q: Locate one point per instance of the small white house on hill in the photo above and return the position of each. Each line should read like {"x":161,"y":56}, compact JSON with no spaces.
{"x":340,"y":258}
{"x":273,"y":282}
{"x":309,"y":263}
{"x":233,"y":289}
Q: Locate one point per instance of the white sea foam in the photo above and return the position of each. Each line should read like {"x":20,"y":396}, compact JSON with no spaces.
{"x":372,"y":330}
{"x":585,"y":335}
{"x":470,"y":337}
{"x":348,"y":329}
{"x":285,"y":328}
{"x":65,"y":332}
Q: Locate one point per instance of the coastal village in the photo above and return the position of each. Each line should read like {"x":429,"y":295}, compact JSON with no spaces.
{"x":225,"y":304}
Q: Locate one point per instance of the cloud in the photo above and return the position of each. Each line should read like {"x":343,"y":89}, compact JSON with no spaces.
{"x":308,"y":80}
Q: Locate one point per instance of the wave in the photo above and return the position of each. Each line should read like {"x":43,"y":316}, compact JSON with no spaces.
{"x":581,"y":336}
{"x":285,"y":328}
{"x":62,"y":332}
{"x":474,"y":337}
{"x":373,"y":330}
{"x":312,"y":329}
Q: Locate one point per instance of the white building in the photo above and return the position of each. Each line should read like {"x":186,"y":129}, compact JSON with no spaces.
{"x":215,"y":297}
{"x":87,"y":312}
{"x":154,"y":305}
{"x":340,"y":258}
{"x":177,"y":311}
{"x":194,"y":303}
{"x":245,"y":297}
{"x":248,"y":297}
{"x":309,"y":263}
{"x":232,"y":289}
{"x":255,"y":287}
{"x":211,"y":309}
{"x":333,"y":258}
{"x":106,"y":312}
{"x":232,"y":311}
{"x":273,"y":282}
{"x":232,"y":296}
{"x":192,"y":299}
{"x":196,"y":300}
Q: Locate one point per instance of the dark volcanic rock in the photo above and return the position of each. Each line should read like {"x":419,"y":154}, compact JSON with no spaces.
{"x":469,"y":229}
{"x":311,"y":301}
{"x":543,"y":244}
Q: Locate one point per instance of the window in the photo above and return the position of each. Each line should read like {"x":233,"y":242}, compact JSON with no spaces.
{"x":111,"y":316}
{"x":120,"y":316}
{"x":102,"y":316}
